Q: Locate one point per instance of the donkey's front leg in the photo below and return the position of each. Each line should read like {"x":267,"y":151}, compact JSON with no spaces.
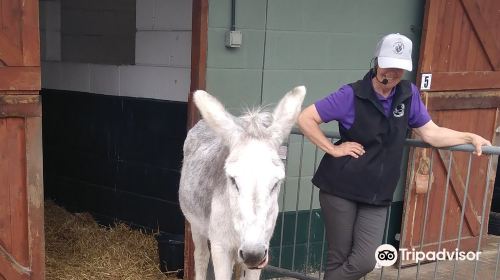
{"x":223,"y":261}
{"x":250,"y":274}
{"x":201,"y":255}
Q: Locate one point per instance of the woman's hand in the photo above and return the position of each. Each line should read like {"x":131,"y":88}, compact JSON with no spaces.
{"x":352,"y":149}
{"x":478,"y":142}
{"x":444,"y":137}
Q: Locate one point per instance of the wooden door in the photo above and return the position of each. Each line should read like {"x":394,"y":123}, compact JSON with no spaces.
{"x":460,"y":48}
{"x":21,"y":191}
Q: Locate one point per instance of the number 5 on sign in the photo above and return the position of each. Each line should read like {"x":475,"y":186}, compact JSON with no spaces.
{"x":425,"y":84}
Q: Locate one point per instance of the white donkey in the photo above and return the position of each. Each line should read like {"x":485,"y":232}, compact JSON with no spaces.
{"x":230,"y":181}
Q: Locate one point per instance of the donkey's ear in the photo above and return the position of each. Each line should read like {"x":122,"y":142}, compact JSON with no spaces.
{"x":217,"y":117}
{"x":286,"y":113}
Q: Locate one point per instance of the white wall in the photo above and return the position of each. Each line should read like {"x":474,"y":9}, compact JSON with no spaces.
{"x":162,"y":54}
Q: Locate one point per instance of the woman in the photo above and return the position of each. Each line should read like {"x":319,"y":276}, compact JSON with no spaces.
{"x":358,"y":174}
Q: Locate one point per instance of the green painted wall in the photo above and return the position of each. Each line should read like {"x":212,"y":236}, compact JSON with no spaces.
{"x":319,"y":43}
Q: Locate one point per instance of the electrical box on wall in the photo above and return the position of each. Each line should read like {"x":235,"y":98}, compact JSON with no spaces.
{"x":233,"y":39}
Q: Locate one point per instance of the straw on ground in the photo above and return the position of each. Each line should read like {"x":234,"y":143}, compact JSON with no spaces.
{"x":77,"y":248}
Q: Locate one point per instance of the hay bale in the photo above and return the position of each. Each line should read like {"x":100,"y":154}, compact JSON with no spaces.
{"x":78,"y":248}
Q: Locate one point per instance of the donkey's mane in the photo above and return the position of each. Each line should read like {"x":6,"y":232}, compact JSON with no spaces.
{"x":255,"y":122}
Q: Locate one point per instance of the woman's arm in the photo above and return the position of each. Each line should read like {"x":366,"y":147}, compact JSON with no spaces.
{"x":444,"y":137}
{"x":309,"y":121}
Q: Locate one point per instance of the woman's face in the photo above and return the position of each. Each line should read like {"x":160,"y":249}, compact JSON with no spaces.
{"x":393,"y":75}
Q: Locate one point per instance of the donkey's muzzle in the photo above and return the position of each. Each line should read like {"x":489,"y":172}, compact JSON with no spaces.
{"x":253,"y":257}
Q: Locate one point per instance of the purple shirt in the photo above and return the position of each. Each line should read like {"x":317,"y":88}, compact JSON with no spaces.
{"x":339,"y":106}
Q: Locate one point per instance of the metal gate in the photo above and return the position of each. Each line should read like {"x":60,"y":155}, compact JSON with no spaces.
{"x":307,"y":263}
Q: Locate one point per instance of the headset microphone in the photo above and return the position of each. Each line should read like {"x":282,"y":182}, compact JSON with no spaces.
{"x":384,"y":81}
{"x":374,"y":73}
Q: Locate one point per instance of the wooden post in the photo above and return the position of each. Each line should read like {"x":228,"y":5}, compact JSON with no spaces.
{"x":199,"y":43}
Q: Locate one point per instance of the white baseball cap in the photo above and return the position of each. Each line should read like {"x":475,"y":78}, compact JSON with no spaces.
{"x":394,"y":51}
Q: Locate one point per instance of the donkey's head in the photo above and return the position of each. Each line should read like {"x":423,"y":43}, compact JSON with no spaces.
{"x":254,"y":171}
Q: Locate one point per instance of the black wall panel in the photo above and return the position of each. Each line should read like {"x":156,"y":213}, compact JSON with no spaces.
{"x":116,"y":157}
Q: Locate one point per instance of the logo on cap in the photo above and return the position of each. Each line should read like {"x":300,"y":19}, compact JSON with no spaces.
{"x":398,"y":47}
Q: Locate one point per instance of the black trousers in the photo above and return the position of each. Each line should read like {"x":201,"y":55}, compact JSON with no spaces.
{"x":354,"y":231}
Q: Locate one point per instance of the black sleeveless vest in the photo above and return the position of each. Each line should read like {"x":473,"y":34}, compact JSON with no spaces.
{"x":371,"y":178}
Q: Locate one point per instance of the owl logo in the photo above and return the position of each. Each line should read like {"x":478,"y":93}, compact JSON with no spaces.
{"x":399,"y":111}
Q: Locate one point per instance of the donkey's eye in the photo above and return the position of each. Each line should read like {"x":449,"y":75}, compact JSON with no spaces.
{"x":233,"y":181}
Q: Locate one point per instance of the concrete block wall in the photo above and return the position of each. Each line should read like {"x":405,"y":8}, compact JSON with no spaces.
{"x":162,"y":50}
{"x":161,"y":62}
{"x":114,"y":129}
{"x":98,"y":31}
{"x":50,"y":30}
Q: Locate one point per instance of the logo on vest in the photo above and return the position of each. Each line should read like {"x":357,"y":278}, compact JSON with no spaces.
{"x":399,"y":111}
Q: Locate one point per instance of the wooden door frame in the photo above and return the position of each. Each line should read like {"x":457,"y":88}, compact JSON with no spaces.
{"x":20,"y":104}
{"x":22,"y":76}
{"x":199,"y":48}
{"x":29,"y":54}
